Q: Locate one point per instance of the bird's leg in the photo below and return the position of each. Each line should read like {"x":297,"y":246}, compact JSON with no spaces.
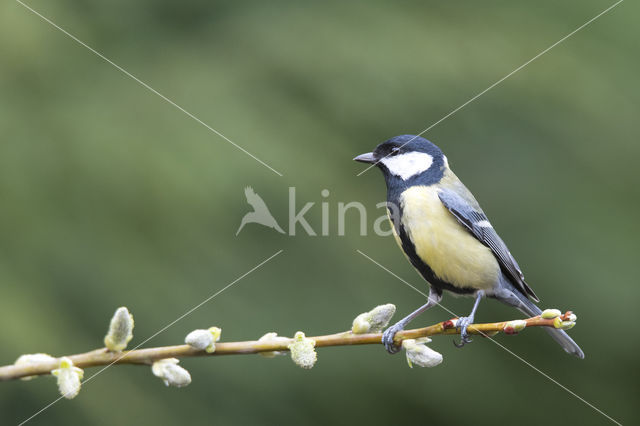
{"x":389,"y":333}
{"x":463,"y":322}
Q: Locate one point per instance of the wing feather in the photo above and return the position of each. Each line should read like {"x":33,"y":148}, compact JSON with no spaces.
{"x":474,"y":219}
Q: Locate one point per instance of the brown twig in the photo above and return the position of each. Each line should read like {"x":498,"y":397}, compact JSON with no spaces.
{"x":102,"y":357}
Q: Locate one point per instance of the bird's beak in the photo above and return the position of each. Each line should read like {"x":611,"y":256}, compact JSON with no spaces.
{"x":366,"y":158}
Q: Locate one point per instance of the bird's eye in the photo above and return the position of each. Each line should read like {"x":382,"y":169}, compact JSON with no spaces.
{"x":394,"y":151}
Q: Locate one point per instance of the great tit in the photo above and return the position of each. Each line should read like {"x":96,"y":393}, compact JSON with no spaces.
{"x":447,"y":237}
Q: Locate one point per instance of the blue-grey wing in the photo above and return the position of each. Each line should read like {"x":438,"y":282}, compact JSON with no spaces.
{"x":473,"y":218}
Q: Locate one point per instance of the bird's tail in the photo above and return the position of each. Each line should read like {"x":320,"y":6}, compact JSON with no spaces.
{"x":529,"y":308}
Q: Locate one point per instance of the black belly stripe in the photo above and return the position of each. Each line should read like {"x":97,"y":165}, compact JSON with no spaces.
{"x":427,"y":273}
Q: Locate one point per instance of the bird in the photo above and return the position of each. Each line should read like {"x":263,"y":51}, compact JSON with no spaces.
{"x":260,"y":213}
{"x":447,"y":237}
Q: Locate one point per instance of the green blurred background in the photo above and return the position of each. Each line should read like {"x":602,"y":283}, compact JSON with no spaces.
{"x":109,"y":196}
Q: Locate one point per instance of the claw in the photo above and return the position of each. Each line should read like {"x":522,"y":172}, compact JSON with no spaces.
{"x":463,"y":341}
{"x":387,"y":339}
{"x":463,"y":323}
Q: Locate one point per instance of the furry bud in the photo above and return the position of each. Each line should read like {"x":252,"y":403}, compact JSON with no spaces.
{"x":204,"y":339}
{"x":563,"y":325}
{"x":303,"y":351}
{"x":120,"y":330}
{"x":373,"y":321}
{"x":272,"y":337}
{"x":512,"y":327}
{"x":171,"y":373}
{"x":33,"y":359}
{"x":420,"y":354}
{"x":68,"y":377}
{"x":550,"y":313}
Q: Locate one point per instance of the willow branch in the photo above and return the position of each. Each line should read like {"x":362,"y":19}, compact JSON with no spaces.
{"x":147,"y":356}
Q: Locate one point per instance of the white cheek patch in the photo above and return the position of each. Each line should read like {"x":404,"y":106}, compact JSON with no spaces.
{"x":409,"y":164}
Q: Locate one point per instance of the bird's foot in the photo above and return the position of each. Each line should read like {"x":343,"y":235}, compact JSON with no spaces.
{"x":462,"y":324}
{"x":387,"y":338}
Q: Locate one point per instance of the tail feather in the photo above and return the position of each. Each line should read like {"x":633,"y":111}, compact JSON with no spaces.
{"x":527,"y":307}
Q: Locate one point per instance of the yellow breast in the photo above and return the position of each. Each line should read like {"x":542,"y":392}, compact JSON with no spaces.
{"x":454,"y":255}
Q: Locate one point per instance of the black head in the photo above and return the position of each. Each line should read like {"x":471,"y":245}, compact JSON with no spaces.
{"x":407,"y":160}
